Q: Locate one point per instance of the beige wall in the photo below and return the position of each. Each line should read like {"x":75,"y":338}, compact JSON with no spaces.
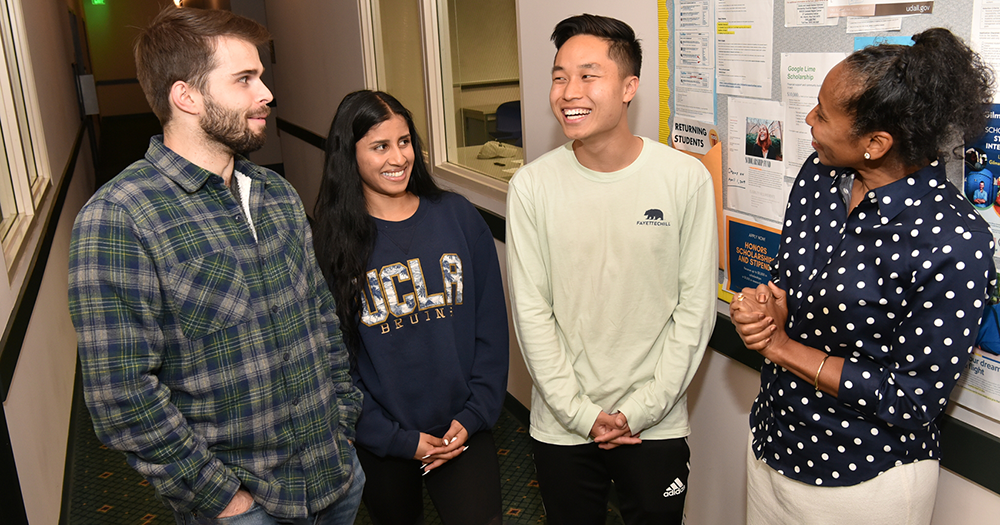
{"x":535,"y":23}
{"x":271,"y":152}
{"x":317,"y":47}
{"x":40,"y":397}
{"x":111,"y":32}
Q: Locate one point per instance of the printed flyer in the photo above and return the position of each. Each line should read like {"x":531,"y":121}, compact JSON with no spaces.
{"x":979,"y":387}
{"x":981,"y":183}
{"x":751,"y":248}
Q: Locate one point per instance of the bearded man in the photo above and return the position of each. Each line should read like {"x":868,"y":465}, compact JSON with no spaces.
{"x":210,"y":346}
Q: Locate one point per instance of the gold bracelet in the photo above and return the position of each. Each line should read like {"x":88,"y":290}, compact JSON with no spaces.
{"x":818,"y":370}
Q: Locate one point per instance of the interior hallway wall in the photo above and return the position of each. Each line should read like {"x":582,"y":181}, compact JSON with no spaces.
{"x":271,"y":152}
{"x":111,"y":32}
{"x":38,"y":403}
{"x":318,"y":60}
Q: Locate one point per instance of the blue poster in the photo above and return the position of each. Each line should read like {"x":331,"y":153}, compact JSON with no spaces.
{"x":751,"y":250}
{"x":861,"y":42}
{"x":982,"y":160}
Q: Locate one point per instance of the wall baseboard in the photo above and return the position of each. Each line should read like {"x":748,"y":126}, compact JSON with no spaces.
{"x":519,"y":411}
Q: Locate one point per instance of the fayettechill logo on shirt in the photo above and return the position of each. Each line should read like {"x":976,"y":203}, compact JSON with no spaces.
{"x":652,"y":217}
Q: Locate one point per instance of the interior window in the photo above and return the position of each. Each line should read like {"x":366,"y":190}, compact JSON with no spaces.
{"x":481,"y":84}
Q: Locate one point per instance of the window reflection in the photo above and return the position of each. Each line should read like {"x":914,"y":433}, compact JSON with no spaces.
{"x":17,"y":87}
{"x":399,"y":57}
{"x":480,"y":75}
{"x":8,"y":208}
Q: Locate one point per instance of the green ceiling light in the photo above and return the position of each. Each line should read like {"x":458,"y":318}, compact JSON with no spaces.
{"x":97,"y":2}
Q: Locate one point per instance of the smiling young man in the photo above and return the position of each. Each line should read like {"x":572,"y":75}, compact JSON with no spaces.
{"x":208,"y":339}
{"x":611,"y":247}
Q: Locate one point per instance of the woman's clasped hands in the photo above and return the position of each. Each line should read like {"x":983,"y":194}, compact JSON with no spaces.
{"x":759,"y":315}
{"x":435,"y":451}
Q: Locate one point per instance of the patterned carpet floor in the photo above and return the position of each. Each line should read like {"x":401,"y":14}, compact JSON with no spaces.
{"x":104,"y":490}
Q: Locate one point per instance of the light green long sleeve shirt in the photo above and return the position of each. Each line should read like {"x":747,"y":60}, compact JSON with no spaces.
{"x":613,"y":284}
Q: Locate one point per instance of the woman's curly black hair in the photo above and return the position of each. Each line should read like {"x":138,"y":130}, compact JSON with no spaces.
{"x":920,"y":94}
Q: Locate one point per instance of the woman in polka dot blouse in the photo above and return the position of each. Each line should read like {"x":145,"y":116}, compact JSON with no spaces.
{"x":878,"y":287}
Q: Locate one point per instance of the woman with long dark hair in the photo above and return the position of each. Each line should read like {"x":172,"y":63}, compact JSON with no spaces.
{"x":415,"y":274}
{"x":878,"y":287}
{"x":763,"y":147}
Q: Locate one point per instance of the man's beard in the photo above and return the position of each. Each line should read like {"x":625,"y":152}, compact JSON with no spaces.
{"x":231,"y":129}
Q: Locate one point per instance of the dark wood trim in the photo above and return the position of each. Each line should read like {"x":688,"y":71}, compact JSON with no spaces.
{"x":970,"y":452}
{"x":301,"y":133}
{"x":499,"y":82}
{"x":17,"y":325}
{"x":116,"y":82}
{"x":67,"y":498}
{"x":497,"y":224}
{"x":519,"y":411}
{"x":278,"y":168}
{"x":727,"y":342}
{"x":11,"y":499}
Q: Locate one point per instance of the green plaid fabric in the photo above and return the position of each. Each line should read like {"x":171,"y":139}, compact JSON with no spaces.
{"x":211,"y":359}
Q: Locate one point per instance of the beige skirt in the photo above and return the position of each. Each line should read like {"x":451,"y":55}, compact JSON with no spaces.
{"x":902,"y":495}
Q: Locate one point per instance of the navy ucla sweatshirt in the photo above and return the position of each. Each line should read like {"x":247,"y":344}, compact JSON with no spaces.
{"x":433,"y":328}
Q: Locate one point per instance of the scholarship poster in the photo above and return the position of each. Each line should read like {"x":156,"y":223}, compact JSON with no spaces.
{"x":755,"y":178}
{"x":751,"y":247}
{"x":979,"y":387}
{"x":802,"y":76}
{"x":981,"y":183}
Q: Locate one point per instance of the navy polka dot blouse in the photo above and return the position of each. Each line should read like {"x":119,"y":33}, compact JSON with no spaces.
{"x":896,"y":288}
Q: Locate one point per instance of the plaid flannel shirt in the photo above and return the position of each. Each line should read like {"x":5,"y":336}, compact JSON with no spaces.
{"x":211,"y":359}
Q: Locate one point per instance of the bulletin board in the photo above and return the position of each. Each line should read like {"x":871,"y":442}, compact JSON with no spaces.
{"x":971,"y":441}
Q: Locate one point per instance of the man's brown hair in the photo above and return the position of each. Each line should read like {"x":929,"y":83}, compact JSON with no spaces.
{"x":180,"y":44}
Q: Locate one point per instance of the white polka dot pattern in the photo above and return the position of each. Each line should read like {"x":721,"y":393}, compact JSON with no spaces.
{"x":896,"y":289}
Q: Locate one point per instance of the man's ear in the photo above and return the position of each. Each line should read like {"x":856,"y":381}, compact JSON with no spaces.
{"x":631,"y":87}
{"x":185,"y":98}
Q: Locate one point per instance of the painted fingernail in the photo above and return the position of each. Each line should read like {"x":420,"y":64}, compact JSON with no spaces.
{"x":466,"y":447}
{"x":426,"y":472}
{"x":425,"y":457}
